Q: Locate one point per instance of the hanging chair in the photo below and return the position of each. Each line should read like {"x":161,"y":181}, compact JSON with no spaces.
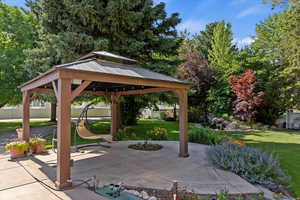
{"x":83,"y":131}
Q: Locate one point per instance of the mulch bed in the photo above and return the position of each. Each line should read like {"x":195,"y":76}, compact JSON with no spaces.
{"x":145,"y":147}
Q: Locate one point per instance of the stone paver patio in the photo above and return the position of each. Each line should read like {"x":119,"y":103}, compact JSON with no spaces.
{"x":120,"y":164}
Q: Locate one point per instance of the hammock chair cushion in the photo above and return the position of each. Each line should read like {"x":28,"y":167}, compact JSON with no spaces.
{"x":84,"y":133}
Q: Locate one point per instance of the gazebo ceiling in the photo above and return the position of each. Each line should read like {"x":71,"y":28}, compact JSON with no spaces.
{"x":104,"y":87}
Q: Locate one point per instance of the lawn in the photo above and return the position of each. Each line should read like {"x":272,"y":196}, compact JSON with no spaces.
{"x":283,"y":143}
{"x":12,"y":125}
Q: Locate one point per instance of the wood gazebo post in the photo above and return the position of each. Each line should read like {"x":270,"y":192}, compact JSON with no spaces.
{"x":183,"y":122}
{"x":26,"y":115}
{"x":63,"y":93}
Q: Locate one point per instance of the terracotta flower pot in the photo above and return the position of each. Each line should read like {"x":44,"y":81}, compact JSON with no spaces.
{"x":33,"y":148}
{"x":40,"y":147}
{"x":14,"y":153}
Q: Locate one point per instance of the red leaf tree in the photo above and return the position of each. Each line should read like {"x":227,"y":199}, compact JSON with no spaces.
{"x":248,"y":100}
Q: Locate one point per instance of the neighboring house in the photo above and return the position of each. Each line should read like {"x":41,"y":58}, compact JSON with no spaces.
{"x":291,"y":120}
{"x":43,"y":110}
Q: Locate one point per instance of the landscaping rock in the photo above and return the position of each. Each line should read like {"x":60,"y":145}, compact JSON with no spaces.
{"x":232,"y":126}
{"x":270,"y":195}
{"x":152,"y":198}
{"x":144,"y":195}
{"x":133,"y":192}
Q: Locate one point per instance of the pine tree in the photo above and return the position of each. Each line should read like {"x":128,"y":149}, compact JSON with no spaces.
{"x":136,"y":29}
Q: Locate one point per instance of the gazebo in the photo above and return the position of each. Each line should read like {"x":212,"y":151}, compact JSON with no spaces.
{"x":96,"y":74}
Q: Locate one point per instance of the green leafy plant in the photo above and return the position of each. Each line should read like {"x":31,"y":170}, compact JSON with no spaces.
{"x":205,"y":136}
{"x":20,"y":146}
{"x":35,"y":141}
{"x":253,"y":164}
{"x":157,"y":133}
{"x":125,"y":134}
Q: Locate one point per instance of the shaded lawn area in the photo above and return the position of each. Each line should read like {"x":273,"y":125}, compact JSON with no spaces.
{"x":143,"y":125}
{"x":283,"y":143}
{"x":13,"y":125}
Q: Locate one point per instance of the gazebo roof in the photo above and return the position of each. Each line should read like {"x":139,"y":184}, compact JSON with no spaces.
{"x":106,"y":67}
{"x":98,"y":64}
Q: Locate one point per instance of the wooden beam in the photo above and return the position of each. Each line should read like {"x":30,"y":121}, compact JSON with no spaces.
{"x":39,"y":81}
{"x":63,"y":171}
{"x":26,"y":115}
{"x":43,"y":90}
{"x":79,"y":89}
{"x":51,"y":91}
{"x":183,"y":122}
{"x":110,"y":78}
{"x":142,"y":91}
{"x":55,"y":89}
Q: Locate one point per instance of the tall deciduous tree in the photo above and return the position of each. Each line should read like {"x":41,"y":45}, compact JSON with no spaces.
{"x":17,"y":32}
{"x":278,"y":46}
{"x":195,"y":68}
{"x":137,"y":29}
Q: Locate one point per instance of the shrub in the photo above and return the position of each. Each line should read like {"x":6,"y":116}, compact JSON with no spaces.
{"x":205,"y":136}
{"x":36,"y":141}
{"x":158,"y":134}
{"x":253,"y":164}
{"x":125,"y":133}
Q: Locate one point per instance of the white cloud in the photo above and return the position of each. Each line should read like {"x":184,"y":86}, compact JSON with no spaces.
{"x":243,"y":42}
{"x":250,"y":11}
{"x":192,"y":26}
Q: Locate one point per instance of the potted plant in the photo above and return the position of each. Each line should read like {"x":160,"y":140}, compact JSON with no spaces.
{"x":17,"y":149}
{"x":37,"y":145}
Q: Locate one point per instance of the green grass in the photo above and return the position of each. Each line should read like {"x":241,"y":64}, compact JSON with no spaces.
{"x":283,"y":143}
{"x":140,"y":130}
{"x":13,"y":125}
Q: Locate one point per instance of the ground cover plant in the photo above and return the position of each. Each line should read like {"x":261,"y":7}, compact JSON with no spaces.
{"x":253,"y":164}
{"x":283,"y":143}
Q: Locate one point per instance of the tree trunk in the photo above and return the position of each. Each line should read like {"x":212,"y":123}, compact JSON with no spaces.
{"x":53,"y":112}
{"x":174,"y":112}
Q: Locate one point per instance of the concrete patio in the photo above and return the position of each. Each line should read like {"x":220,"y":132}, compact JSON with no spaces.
{"x":119,"y":164}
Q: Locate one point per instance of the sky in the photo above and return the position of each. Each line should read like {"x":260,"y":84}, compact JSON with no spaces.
{"x":195,"y":14}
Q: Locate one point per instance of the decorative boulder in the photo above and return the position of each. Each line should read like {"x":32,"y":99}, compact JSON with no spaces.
{"x":232,"y":126}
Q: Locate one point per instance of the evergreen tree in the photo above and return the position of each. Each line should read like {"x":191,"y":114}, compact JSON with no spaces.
{"x":136,"y":29}
{"x":222,"y":58}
